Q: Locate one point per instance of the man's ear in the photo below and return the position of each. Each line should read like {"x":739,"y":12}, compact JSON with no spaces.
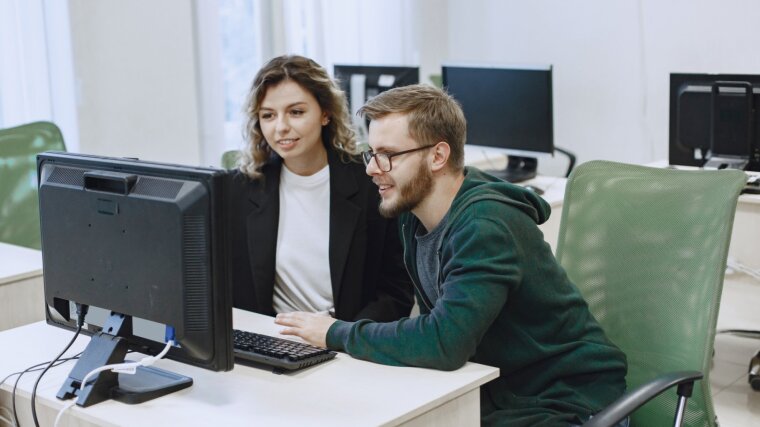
{"x":441,"y":153}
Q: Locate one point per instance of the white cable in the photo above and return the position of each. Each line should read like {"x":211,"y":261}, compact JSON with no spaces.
{"x":59,"y":417}
{"x":120,"y":368}
{"x":8,"y":420}
{"x":128,"y":367}
{"x":737,"y":266}
{"x":7,"y":412}
{"x":488,"y":159}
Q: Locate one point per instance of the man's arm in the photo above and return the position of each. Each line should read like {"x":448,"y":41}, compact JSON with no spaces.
{"x":481,"y":265}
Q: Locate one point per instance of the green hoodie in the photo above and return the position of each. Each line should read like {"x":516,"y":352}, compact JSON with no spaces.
{"x":503,"y":301}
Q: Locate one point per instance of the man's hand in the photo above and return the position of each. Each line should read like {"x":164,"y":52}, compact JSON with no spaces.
{"x":309,"y":326}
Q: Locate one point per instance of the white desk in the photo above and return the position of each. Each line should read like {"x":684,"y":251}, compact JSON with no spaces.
{"x":341,"y":392}
{"x":21,"y":288}
{"x":745,"y":238}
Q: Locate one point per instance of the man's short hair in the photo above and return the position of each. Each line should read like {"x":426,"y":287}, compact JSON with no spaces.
{"x":433,"y":116}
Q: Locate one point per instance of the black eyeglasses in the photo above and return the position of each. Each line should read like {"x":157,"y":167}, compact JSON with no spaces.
{"x":383,"y":160}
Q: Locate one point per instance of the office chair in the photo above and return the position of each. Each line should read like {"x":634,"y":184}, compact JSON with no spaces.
{"x":230,"y":159}
{"x":19,"y":207}
{"x":647,"y":248}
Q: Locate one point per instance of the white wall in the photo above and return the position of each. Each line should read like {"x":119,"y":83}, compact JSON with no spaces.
{"x":360,"y":34}
{"x":137,"y":89}
{"x":137,"y":69}
{"x":431,"y":24}
{"x":611,"y":59}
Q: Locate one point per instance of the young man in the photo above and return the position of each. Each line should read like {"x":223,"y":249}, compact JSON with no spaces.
{"x":488,"y":286}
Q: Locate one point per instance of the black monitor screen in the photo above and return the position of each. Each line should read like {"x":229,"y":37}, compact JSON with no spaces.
{"x":362,"y":82}
{"x":508,"y":108}
{"x":714,"y":116}
{"x":376,"y":78}
{"x":141,"y":239}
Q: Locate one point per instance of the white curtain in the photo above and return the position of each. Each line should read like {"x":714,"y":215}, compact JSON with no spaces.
{"x":371,"y":32}
{"x":36,"y":73}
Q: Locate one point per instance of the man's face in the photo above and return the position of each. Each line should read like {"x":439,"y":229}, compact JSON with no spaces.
{"x":410,"y":180}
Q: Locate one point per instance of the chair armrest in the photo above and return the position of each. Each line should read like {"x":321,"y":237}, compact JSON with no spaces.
{"x":570,"y":159}
{"x":634,"y":399}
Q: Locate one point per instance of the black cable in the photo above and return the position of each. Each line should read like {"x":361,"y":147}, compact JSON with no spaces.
{"x":34,"y":389}
{"x":37,"y":367}
{"x":745,"y":333}
{"x":33,"y":368}
{"x":81,"y":313}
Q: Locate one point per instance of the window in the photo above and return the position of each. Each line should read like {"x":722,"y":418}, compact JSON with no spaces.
{"x":236,"y":37}
{"x":36,"y":72}
{"x":241,"y":40}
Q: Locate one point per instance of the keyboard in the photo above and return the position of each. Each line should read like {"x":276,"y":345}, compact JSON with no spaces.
{"x":278,"y":353}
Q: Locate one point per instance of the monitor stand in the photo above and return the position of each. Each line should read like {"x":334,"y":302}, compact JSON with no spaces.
{"x":518,"y":169}
{"x":107,"y":347}
{"x":716,"y":162}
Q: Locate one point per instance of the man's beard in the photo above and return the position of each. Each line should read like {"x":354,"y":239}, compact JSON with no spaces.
{"x":411,"y":194}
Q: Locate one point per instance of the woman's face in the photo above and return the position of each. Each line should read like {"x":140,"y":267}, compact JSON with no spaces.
{"x":291,"y":121}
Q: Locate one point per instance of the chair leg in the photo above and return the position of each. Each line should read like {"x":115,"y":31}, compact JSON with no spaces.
{"x":684,"y":393}
{"x":678,"y":421}
{"x":754,"y":372}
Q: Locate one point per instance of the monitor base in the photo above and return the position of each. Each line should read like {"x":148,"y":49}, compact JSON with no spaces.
{"x":726,"y":163}
{"x":148,"y":383}
{"x":109,"y":348}
{"x":518,"y":169}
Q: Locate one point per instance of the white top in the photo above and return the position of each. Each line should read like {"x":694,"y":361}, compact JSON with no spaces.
{"x":302,"y":277}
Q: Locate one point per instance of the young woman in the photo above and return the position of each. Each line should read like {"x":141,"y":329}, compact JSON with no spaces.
{"x":307,"y":235}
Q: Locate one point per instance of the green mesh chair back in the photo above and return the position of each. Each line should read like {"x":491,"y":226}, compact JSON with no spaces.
{"x":647,"y":248}
{"x":19,"y":207}
{"x":230,"y":159}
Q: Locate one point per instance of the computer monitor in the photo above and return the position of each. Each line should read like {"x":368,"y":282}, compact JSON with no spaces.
{"x":715,"y":120}
{"x":508,"y":108}
{"x":362,"y":82}
{"x":147,"y":243}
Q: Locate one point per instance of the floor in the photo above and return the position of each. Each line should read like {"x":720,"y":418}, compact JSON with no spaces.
{"x":736,"y":403}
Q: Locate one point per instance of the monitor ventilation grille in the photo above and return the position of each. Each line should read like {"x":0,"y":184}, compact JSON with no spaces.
{"x":156,"y":187}
{"x":196,"y":273}
{"x":67,"y":176}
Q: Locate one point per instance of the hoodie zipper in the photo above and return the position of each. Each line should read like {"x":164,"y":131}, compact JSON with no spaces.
{"x":417,"y":287}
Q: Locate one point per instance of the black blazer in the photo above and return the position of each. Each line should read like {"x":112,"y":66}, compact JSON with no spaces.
{"x":369,"y":279}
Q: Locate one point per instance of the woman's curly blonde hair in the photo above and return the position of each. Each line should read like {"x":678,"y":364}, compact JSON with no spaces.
{"x":310,"y":76}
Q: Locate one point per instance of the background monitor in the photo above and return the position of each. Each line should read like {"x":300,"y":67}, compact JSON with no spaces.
{"x":146,"y":242}
{"x":362,"y":82}
{"x":507,"y":108}
{"x":714,"y":120}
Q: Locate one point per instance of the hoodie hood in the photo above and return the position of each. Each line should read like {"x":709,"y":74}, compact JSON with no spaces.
{"x":479,"y":185}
